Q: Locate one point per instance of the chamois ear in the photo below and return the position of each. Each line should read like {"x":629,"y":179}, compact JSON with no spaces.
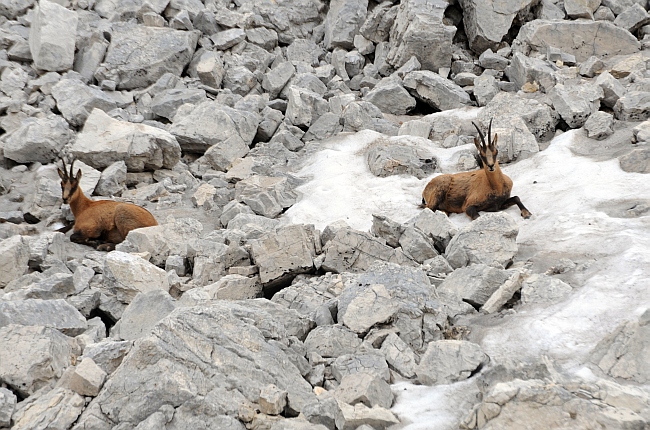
{"x":494,"y":142}
{"x":61,"y":174}
{"x":78,"y":177}
{"x":477,"y":144}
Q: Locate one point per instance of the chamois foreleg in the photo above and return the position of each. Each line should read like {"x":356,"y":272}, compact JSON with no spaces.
{"x":81,"y":238}
{"x":472,"y":212}
{"x":525,"y":213}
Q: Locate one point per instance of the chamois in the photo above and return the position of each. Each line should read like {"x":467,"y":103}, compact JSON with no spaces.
{"x":487,"y":189}
{"x":101,"y":224}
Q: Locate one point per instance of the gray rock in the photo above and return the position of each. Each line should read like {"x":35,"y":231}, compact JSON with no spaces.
{"x":506,"y":403}
{"x":266,"y":196}
{"x":284,"y":253}
{"x":504,"y":293}
{"x":399,"y":356}
{"x":490,"y":239}
{"x":207,"y":66}
{"x":390,"y":96}
{"x":540,"y":118}
{"x":56,"y":409}
{"x":372,"y":363}
{"x":253,"y":226}
{"x":581,"y":9}
{"x":417,"y":245}
{"x":599,"y":125}
{"x":56,"y":314}
{"x":363,"y":45}
{"x":56,"y":286}
{"x":366,"y":116}
{"x":142,"y":314}
{"x":591,"y":66}
{"x":435,"y":90}
{"x":386,"y":159}
{"x":490,"y":60}
{"x":304,"y":50}
{"x":612,"y":88}
{"x":48,"y":244}
{"x":14,"y":256}
{"x":642,"y":132}
{"x":262,"y":36}
{"x":239,"y":79}
{"x":38,"y":139}
{"x":485,"y":89}
{"x":369,"y":307}
{"x":76,"y":100}
{"x":474,"y":284}
{"x":12,"y":10}
{"x":32,"y":357}
{"x":152,"y":52}
{"x":229,"y":287}
{"x":354,"y":251}
{"x":343,"y":21}
{"x":304,"y":107}
{"x":581,"y":38}
{"x":309,"y":295}
{"x":435,"y":225}
{"x":199,"y":127}
{"x":415,"y":127}
{"x":228,"y":38}
{"x":307,"y":81}
{"x":420,"y":30}
{"x":332,"y":341}
{"x":126,"y":275}
{"x":360,"y":415}
{"x":222,"y":155}
{"x":386,"y":229}
{"x":632,"y":18}
{"x":539,"y":288}
{"x":486,"y":24}
{"x":276,"y":78}
{"x":113,"y":180}
{"x":523,"y":70}
{"x":575,"y":103}
{"x":296,"y":424}
{"x":448,"y":361}
{"x":167,"y":102}
{"x":272,"y":400}
{"x":633,"y":106}
{"x":108,"y":354}
{"x":324,"y":412}
{"x":327,"y":125}
{"x":365,"y":388}
{"x":638,"y":161}
{"x":52,"y":36}
{"x":271,"y":120}
{"x":622,"y":353}
{"x":188,"y":378}
{"x":232,"y":209}
{"x":603,"y":13}
{"x":7,"y":406}
{"x":378,"y":22}
{"x":87,"y":378}
{"x":105,"y":140}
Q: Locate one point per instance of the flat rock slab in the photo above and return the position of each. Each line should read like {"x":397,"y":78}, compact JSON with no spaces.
{"x":57,"y":314}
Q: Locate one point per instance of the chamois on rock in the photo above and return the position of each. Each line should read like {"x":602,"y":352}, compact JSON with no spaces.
{"x":487,"y":189}
{"x":103,"y":223}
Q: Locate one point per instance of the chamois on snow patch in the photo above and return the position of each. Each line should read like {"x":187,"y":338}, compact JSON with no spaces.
{"x":102,"y":223}
{"x":487,"y":189}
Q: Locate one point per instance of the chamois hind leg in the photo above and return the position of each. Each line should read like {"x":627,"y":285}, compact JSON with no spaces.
{"x":525,"y":213}
{"x":434,"y":193}
{"x":112,"y":238}
{"x":472,"y":212}
{"x":78,"y":236}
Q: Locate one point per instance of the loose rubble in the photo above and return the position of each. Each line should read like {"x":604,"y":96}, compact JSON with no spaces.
{"x":226,"y":316}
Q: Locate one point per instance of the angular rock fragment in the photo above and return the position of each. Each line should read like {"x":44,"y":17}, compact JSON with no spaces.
{"x":55,"y":409}
{"x":56,"y":314}
{"x":448,"y":361}
{"x":52,"y":36}
{"x":435,"y":90}
{"x":127,"y":275}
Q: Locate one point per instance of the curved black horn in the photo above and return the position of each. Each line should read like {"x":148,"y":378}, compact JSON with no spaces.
{"x":65,"y":169}
{"x":490,"y":133}
{"x":71,"y":166}
{"x":480,"y":133}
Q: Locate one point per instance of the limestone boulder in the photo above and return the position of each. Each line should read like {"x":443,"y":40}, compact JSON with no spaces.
{"x":490,"y":239}
{"x":448,"y":361}
{"x":343,"y":21}
{"x":76,"y":100}
{"x":142,"y":314}
{"x":57,"y":314}
{"x":52,"y":36}
{"x":436,"y":91}
{"x":104,"y":141}
{"x":151,"y":51}
{"x":55,"y":409}
{"x":38,"y":139}
{"x":420,"y":30}
{"x":581,"y":38}
{"x":576,"y":103}
{"x":14,"y":256}
{"x":126,"y":275}
{"x":265,"y":195}
{"x":474,"y":284}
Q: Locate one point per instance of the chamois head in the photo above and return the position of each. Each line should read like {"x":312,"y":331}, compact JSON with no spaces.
{"x":489,"y":151}
{"x":69,"y":182}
